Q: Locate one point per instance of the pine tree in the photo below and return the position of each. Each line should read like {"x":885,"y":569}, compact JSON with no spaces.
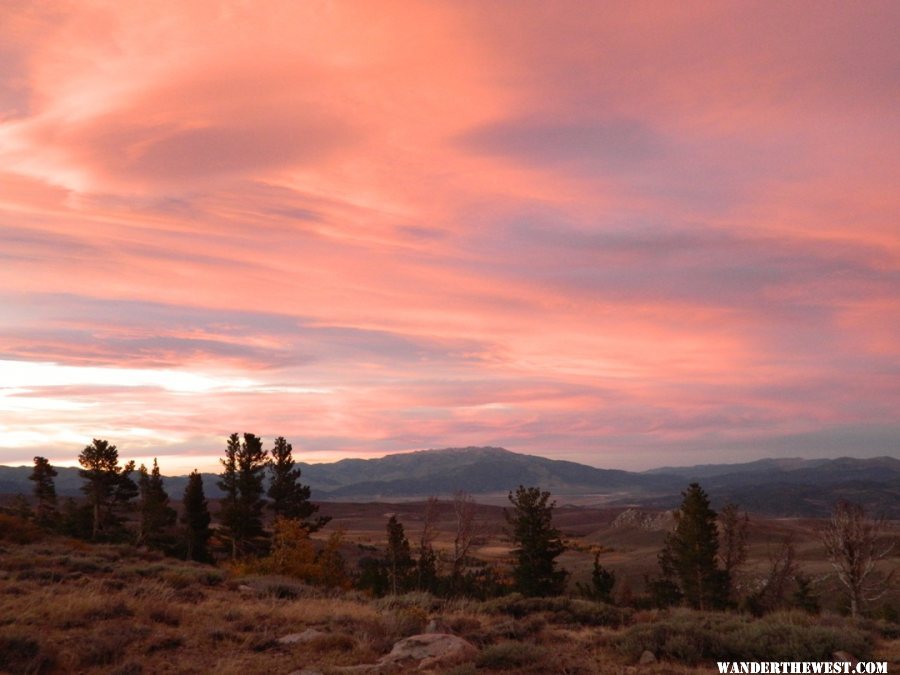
{"x":44,"y":492}
{"x":196,"y":519}
{"x":397,"y":557}
{"x":108,"y":488}
{"x":289,"y":498}
{"x":156,"y":516}
{"x":689,"y":557}
{"x":242,"y":483}
{"x":76,"y":519}
{"x":538,"y":543}
{"x":602,"y":582}
{"x":251,"y":473}
{"x":426,"y":570}
{"x":228,"y":513}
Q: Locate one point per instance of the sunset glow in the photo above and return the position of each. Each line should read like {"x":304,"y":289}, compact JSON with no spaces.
{"x":625,"y":234}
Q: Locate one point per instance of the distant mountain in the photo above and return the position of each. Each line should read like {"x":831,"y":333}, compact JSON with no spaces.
{"x":700,"y":471}
{"x":14,"y":480}
{"x":781,"y":487}
{"x":475,"y":470}
{"x":790,"y":470}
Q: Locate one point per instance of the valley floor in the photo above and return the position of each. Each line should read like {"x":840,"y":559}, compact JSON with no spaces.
{"x":71,"y":607}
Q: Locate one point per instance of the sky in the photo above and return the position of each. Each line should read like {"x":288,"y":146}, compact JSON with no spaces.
{"x":628,"y":234}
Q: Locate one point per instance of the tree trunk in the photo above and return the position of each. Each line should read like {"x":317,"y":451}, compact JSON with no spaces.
{"x":96,"y":528}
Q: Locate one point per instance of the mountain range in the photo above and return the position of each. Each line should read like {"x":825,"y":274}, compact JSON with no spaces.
{"x":778,"y":487}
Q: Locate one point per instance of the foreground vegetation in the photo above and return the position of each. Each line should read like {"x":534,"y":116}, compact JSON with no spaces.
{"x":67,"y":606}
{"x":124,"y":582}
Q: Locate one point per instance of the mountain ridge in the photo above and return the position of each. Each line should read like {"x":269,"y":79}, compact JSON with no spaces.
{"x":777,"y":486}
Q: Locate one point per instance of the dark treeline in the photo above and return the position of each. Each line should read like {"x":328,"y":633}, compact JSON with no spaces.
{"x":125,"y":504}
{"x":267,"y":530}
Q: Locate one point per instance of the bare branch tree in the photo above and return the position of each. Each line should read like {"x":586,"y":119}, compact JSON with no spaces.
{"x":733,"y":545}
{"x":854,"y":546}
{"x":426,"y":572}
{"x":782,"y":572}
{"x":465,"y":510}
{"x":429,"y":523}
{"x":733,"y":549}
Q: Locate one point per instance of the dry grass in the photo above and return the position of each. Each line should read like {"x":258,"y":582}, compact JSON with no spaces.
{"x":68,"y":607}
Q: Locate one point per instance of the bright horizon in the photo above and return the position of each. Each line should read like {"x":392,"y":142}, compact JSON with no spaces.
{"x":623,"y":234}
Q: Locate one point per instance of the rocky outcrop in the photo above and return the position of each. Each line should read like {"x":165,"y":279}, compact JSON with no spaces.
{"x":645,"y":520}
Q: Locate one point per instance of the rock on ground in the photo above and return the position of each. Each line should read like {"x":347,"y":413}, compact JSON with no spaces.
{"x":308,"y":635}
{"x":430,"y":650}
{"x":647,"y":657}
{"x":420,"y":652}
{"x":844,"y":656}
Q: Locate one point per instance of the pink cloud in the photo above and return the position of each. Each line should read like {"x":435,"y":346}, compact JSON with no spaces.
{"x":573,"y":229}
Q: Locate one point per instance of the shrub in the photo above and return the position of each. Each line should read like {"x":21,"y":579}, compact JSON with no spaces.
{"x":280,"y":587}
{"x":332,"y":642}
{"x":408,"y":621}
{"x":466,"y":626}
{"x":510,"y":655}
{"x":462,"y":669}
{"x":560,"y":610}
{"x":165,"y":643}
{"x":418,"y":599}
{"x":285,"y":590}
{"x":117,"y":609}
{"x":23,"y":654}
{"x":17,"y":530}
{"x":692,"y":637}
{"x":104,"y":646}
{"x":518,"y":629}
{"x":75,"y":611}
{"x":165,"y":615}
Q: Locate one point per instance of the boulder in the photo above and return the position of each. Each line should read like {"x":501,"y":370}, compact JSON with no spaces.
{"x":647,"y":657}
{"x":429,"y":650}
{"x":844,"y":656}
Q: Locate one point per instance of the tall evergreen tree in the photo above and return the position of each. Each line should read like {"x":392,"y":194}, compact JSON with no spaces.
{"x":156,"y":516}
{"x":228,"y":484}
{"x":289,"y":498}
{"x":45,"y":508}
{"x":196,"y":519}
{"x":689,"y":557}
{"x":538,"y":543}
{"x":108,"y":486}
{"x":242,"y":481}
{"x":398,"y":560}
